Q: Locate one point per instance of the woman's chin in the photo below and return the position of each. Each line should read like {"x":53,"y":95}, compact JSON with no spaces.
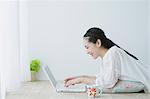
{"x":94,"y":57}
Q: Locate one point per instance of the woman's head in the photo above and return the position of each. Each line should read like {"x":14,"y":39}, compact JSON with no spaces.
{"x":95,"y":40}
{"x":94,"y":34}
{"x":92,"y":48}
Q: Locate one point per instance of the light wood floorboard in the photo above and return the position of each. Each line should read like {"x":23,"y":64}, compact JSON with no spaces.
{"x":43,"y":90}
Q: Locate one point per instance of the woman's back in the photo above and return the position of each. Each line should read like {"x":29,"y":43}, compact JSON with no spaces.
{"x":130,"y":68}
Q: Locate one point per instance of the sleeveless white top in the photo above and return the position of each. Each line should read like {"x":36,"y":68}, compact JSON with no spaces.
{"x":118,"y":65}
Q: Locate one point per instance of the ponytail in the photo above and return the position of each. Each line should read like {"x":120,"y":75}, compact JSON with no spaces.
{"x":95,"y":33}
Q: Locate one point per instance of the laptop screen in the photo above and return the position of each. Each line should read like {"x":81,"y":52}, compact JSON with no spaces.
{"x":49,"y":75}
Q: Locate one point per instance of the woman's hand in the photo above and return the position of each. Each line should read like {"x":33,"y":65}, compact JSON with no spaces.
{"x":73,"y":80}
{"x":79,"y":79}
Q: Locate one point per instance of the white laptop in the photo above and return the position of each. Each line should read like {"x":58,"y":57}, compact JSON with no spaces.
{"x":59,"y":86}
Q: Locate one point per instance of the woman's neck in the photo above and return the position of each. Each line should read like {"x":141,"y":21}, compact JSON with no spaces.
{"x":102,"y":52}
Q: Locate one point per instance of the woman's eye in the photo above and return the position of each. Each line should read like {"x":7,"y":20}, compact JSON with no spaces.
{"x":86,"y":47}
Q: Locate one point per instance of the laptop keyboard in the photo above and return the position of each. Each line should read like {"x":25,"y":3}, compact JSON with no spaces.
{"x":77,"y":87}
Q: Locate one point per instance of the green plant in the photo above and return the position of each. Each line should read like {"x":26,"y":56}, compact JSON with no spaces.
{"x":35,"y":65}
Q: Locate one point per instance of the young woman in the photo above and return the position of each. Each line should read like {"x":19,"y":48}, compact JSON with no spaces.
{"x":117,"y":64}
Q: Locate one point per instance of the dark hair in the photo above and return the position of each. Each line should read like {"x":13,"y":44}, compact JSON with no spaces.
{"x":96,"y":33}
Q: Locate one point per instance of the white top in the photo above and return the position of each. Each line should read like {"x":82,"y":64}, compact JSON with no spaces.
{"x":118,"y":65}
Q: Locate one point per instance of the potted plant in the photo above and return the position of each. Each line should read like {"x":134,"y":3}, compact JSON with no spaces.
{"x":34,"y":68}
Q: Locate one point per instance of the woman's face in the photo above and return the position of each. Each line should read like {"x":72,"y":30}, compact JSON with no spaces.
{"x":91,"y":48}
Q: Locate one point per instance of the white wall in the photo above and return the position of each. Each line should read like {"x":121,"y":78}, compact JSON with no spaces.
{"x":149,"y":28}
{"x":2,"y":51}
{"x":9,"y":30}
{"x":2,"y":54}
{"x":56,"y":29}
{"x":12,"y":48}
{"x":23,"y":36}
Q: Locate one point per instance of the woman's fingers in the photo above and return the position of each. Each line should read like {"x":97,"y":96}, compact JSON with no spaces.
{"x":72,"y":82}
{"x":67,"y":79}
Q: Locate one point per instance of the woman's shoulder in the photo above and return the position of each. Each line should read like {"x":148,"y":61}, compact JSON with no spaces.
{"x":113,"y":48}
{"x":111,"y":52}
{"x":114,"y":51}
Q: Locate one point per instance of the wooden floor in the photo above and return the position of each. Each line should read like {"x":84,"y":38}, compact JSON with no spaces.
{"x":43,"y":90}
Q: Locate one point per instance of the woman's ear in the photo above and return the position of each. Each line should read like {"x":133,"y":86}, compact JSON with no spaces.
{"x":98,"y":43}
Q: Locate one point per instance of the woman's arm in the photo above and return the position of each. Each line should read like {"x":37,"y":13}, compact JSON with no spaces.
{"x":89,"y":79}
